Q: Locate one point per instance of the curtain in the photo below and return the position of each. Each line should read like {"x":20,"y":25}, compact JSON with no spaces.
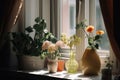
{"x":9,"y":10}
{"x":112,"y":28}
{"x":54,"y":17}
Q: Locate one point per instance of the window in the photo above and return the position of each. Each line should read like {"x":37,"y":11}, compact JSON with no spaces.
{"x":100,"y":25}
{"x":69,"y":19}
{"x":68,"y":16}
{"x":90,"y":9}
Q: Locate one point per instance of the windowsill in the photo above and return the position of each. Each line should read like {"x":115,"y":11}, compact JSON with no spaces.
{"x":65,"y":75}
{"x":45,"y":75}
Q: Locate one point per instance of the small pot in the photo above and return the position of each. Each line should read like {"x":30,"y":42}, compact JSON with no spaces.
{"x":60,"y":65}
{"x":52,"y":65}
{"x":106,"y":74}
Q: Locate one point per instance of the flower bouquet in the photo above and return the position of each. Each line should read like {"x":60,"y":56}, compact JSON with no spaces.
{"x":71,"y":64}
{"x":90,"y":62}
{"x":51,"y":51}
{"x":93,"y":40}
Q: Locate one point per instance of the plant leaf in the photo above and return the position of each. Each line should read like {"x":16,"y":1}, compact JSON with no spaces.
{"x":37,"y":20}
{"x":29,"y":29}
{"x":42,"y":24}
{"x":97,"y":37}
{"x":37,"y":27}
{"x":96,"y":46}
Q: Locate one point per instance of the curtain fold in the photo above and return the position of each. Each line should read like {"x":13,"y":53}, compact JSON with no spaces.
{"x":9,"y":11}
{"x":111,"y":27}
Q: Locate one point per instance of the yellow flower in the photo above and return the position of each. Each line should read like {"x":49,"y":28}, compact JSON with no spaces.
{"x":90,"y":28}
{"x":52,"y":48}
{"x":100,"y":32}
{"x":70,"y":41}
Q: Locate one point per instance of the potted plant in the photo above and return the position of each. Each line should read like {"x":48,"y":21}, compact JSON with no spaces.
{"x":90,"y":62}
{"x":27,"y":46}
{"x":107,"y":71}
{"x":51,"y":51}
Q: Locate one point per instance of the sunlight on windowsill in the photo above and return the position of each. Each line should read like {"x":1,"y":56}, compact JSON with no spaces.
{"x":65,"y":75}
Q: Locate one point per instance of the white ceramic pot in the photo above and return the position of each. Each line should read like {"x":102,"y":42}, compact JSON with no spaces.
{"x":52,"y":65}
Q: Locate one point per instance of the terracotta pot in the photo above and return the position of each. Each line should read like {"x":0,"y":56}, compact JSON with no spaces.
{"x":61,"y":64}
{"x":52,"y":65}
{"x":90,"y":62}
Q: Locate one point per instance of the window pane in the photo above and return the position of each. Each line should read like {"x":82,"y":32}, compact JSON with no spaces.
{"x":68,"y":16}
{"x":100,"y":25}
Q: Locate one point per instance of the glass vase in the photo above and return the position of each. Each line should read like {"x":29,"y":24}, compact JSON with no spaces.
{"x":71,"y":65}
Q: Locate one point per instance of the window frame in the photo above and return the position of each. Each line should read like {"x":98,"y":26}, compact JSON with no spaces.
{"x":89,"y":13}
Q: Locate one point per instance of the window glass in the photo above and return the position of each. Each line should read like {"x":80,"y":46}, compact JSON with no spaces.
{"x":104,"y":45}
{"x":69,"y":21}
{"x":68,"y":16}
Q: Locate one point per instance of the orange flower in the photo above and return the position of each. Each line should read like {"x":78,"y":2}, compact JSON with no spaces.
{"x":90,"y":28}
{"x":100,"y":32}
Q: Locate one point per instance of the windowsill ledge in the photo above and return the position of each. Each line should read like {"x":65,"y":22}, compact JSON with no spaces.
{"x":65,"y":75}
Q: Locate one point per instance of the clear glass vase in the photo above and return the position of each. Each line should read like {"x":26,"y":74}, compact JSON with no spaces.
{"x":71,"y":65}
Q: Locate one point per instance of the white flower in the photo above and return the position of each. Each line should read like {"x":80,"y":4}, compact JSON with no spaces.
{"x":45,"y":30}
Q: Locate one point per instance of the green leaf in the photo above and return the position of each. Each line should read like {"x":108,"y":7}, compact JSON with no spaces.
{"x":96,"y":46}
{"x":37,"y":20}
{"x":97,"y":37}
{"x":42,"y":24}
{"x":37,"y":27}
{"x":90,"y":41}
{"x":81,"y":24}
{"x":29,"y":29}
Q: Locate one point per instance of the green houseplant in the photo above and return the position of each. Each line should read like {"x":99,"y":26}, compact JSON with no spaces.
{"x":27,"y":46}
